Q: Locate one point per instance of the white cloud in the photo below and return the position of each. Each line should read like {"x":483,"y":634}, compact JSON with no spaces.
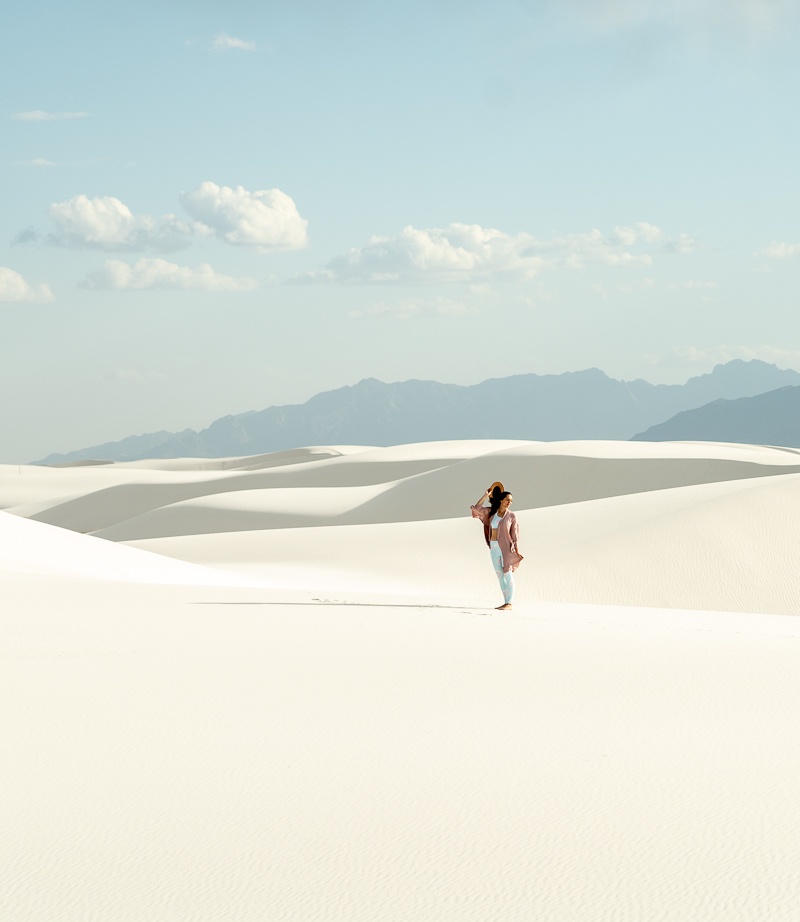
{"x":624,"y":246}
{"x":470,"y":253}
{"x":717,"y":355}
{"x":267,"y":219}
{"x":628,"y":236}
{"x":148,"y":273}
{"x":705,"y":19}
{"x":225,"y":42}
{"x":408,"y":308}
{"x":683,"y":243}
{"x":777,"y":250}
{"x":37,"y":115}
{"x":106,"y":223}
{"x":37,"y":162}
{"x":14,"y":288}
{"x":454,"y":253}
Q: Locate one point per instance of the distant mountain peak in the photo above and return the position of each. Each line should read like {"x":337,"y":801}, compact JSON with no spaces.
{"x":737,"y":367}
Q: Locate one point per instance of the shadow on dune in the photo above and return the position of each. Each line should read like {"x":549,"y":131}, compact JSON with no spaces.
{"x":320,"y":602}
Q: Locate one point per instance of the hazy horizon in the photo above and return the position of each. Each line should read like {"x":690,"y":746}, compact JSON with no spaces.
{"x":211,"y":209}
{"x":574,"y":428}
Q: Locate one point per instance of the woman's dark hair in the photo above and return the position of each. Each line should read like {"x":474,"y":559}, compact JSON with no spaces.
{"x":496,"y":497}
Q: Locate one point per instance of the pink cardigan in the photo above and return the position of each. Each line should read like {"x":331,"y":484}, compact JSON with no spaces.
{"x":507,"y":535}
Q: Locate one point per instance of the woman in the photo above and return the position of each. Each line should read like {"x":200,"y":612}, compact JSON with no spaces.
{"x":502,"y":534}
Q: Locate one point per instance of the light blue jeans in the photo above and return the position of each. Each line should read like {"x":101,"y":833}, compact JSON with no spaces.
{"x":506,"y":580}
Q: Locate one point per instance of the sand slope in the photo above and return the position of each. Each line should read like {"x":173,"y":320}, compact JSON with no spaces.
{"x":32,"y":548}
{"x":722,"y":546}
{"x":691,"y":525}
{"x":289,"y":696}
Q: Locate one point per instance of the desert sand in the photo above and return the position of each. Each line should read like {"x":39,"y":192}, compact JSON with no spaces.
{"x":276,"y":687}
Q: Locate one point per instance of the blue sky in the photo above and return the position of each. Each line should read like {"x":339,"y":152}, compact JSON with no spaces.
{"x":211,"y":207}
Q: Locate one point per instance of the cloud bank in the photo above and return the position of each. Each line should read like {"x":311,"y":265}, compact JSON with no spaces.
{"x":265,"y":220}
{"x":14,"y":288}
{"x":148,"y":274}
{"x":468,"y":252}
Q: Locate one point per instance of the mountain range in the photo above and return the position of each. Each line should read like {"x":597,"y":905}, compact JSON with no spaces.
{"x":575,"y":405}
{"x":766,"y":419}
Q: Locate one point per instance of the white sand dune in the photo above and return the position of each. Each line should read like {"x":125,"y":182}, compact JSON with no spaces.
{"x":139,"y":490}
{"x":727,"y":546}
{"x":281,"y":690}
{"x":28,"y":547}
{"x":426,"y":481}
